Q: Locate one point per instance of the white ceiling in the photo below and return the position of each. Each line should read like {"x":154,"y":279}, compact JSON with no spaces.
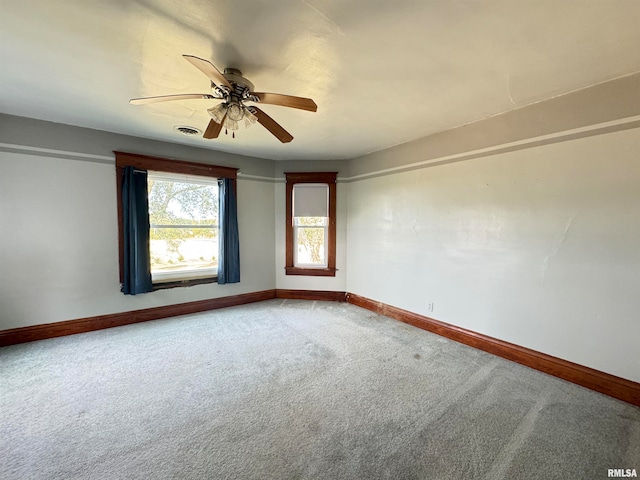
{"x":381,"y":72}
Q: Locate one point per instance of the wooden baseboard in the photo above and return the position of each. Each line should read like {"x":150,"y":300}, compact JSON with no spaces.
{"x":608,"y":384}
{"x":81,"y":325}
{"x":602,"y":382}
{"x":331,"y":296}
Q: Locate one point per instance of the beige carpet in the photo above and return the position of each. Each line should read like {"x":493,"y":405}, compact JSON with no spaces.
{"x":295,"y":390}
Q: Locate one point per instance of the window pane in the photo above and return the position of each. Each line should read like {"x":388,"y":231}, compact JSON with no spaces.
{"x":174,"y":249}
{"x":311,"y":248}
{"x":176,"y":203}
{"x":184,"y":227}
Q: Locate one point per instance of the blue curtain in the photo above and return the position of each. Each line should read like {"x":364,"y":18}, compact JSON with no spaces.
{"x":135,"y":216}
{"x":229,"y":248}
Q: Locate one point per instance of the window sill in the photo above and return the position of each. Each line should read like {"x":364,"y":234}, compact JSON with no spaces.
{"x":311,"y":272}
{"x":184,"y":283}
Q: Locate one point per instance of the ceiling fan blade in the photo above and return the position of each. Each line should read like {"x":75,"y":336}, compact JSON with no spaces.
{"x":167,"y":98}
{"x":270,"y":124}
{"x":286,"y":101}
{"x":213,"y":129}
{"x":206,"y":67}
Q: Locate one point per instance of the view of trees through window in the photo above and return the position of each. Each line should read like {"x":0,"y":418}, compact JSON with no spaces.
{"x":183,"y":217}
{"x":310,"y":240}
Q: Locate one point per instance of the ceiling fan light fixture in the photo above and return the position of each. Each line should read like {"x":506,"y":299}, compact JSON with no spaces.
{"x":249,"y":118}
{"x":230,"y":124}
{"x":235,"y":111}
{"x":217,"y":112}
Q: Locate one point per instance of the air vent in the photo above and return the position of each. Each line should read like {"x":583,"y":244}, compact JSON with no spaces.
{"x":189,"y":131}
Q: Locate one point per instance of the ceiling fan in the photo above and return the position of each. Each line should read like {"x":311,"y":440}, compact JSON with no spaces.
{"x":234,"y":90}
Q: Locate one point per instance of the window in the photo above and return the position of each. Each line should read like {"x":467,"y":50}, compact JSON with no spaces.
{"x":183,"y":218}
{"x":311,"y":224}
{"x":180,"y":241}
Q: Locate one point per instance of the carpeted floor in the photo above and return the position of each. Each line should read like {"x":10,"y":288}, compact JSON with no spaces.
{"x":295,"y":390}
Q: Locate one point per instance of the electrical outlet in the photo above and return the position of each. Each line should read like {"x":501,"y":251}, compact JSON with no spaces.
{"x":430,"y":307}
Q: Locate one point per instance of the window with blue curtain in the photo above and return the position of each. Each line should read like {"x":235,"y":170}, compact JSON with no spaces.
{"x":134,"y":223}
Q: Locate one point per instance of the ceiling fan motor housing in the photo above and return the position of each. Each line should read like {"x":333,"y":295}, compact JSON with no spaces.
{"x":235,"y":78}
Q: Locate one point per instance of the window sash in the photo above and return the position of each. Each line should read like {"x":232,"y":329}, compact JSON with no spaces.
{"x":161,"y":273}
{"x":298,"y":245}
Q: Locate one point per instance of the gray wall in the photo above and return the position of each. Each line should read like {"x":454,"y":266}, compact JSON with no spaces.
{"x":58,"y":243}
{"x":526,"y":231}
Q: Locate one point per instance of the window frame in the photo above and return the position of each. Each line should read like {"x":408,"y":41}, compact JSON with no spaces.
{"x":184,"y":274}
{"x":160,"y":164}
{"x":328,"y":178}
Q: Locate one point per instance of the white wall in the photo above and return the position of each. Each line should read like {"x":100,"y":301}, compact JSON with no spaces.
{"x":59,"y":251}
{"x":539,"y":246}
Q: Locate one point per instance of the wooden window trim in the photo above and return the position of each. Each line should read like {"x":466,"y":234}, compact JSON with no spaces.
{"x":147,"y":162}
{"x":160,"y":164}
{"x":320,"y":177}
